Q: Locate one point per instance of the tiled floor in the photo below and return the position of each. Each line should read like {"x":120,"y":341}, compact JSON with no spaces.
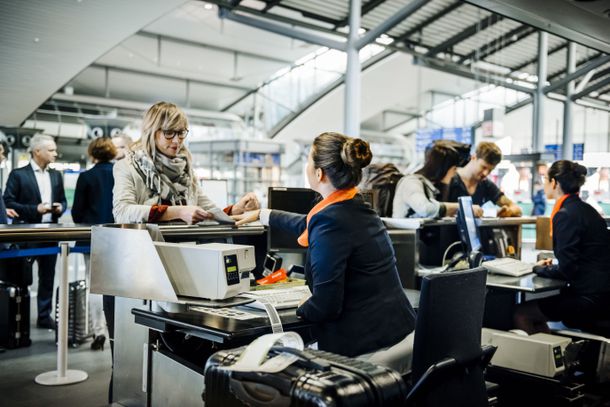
{"x":19,"y":367}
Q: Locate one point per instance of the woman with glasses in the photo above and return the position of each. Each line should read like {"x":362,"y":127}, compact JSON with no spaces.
{"x":156,"y":182}
{"x":581,"y":244}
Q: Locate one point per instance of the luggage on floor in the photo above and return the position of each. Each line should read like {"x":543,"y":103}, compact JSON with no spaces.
{"x":317,"y":378}
{"x":79,"y":323}
{"x":14,"y":316}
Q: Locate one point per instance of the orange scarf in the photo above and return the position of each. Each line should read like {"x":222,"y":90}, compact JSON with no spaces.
{"x":339,"y":195}
{"x":556,"y":209}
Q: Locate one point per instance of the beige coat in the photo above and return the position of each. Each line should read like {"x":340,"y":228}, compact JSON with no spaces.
{"x":132,"y":200}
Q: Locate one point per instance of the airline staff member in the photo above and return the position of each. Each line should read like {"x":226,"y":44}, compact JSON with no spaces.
{"x":581,"y":243}
{"x":471,"y":180}
{"x":357,"y":301}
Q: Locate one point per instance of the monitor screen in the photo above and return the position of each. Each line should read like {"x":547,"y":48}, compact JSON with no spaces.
{"x":297,"y":200}
{"x":469,"y":231}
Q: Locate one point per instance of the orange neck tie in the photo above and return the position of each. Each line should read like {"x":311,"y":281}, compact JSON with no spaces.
{"x":556,"y":209}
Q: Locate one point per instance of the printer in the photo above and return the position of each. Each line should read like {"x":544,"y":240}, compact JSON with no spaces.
{"x":213,"y":271}
{"x":540,"y":354}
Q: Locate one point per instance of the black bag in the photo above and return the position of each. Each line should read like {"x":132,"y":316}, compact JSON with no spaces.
{"x":16,"y":270}
{"x":79,"y":323}
{"x":317,"y":379}
{"x":14,"y":316}
{"x":382,"y":178}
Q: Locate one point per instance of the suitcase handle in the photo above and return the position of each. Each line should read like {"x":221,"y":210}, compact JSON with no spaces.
{"x":312,"y":362}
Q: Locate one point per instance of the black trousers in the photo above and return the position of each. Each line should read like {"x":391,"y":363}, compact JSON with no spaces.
{"x":46,"y":277}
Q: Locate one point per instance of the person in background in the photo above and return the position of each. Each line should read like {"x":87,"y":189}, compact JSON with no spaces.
{"x":93,"y":205}
{"x":36,"y":193}
{"x":425,"y":194}
{"x":357,"y":302}
{"x":471,"y":180}
{"x":122,"y":142}
{"x":5,"y":212}
{"x":539,"y":198}
{"x":156,"y":182}
{"x":581,"y":244}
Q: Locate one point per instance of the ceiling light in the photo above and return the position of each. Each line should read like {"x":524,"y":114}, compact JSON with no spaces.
{"x":594,"y":94}
{"x":208,"y":6}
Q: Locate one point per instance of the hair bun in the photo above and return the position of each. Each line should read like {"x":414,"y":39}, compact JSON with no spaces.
{"x":356,"y":153}
{"x":580,"y":170}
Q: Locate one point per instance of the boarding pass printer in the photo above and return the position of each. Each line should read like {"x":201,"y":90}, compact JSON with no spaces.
{"x":128,"y":262}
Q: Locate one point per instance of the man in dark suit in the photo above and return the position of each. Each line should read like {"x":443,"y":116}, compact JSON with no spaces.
{"x":36,"y":193}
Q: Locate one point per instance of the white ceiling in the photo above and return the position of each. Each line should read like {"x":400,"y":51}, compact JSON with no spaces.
{"x":46,"y":43}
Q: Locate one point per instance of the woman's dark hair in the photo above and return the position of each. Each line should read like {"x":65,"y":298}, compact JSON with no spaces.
{"x":342,"y":158}
{"x":570,"y":175}
{"x":102,"y":149}
{"x":443,"y":155}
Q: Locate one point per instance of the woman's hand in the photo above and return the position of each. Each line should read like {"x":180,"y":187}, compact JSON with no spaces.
{"x":544,"y":262}
{"x":478,"y":211}
{"x":247,"y":217}
{"x":248,"y":202}
{"x":188,"y":213}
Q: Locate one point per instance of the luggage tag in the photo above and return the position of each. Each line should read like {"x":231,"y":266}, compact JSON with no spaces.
{"x":253,"y":357}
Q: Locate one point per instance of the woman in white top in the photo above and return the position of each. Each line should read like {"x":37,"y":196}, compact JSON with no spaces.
{"x":155,"y":182}
{"x":420,"y":195}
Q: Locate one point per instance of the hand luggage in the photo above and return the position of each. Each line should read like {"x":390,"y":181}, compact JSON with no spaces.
{"x":14,"y":316}
{"x":317,"y":378}
{"x":79,"y":323}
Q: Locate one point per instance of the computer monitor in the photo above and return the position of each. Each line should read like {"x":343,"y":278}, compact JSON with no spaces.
{"x":297,"y":200}
{"x":467,"y":227}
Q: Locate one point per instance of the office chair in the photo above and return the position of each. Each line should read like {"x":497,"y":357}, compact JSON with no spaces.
{"x":448,"y":361}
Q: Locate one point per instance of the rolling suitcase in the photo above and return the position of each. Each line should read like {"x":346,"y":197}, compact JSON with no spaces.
{"x":317,"y":378}
{"x":14,"y":316}
{"x":78,"y":319}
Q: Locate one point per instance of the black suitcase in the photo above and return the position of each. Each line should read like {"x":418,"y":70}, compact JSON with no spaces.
{"x":317,"y":379}
{"x":14,"y":316}
{"x":79,"y":323}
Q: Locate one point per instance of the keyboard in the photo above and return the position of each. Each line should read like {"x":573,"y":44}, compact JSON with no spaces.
{"x":508,"y":267}
{"x":280,"y":298}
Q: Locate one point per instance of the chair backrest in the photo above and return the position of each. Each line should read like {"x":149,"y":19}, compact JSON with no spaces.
{"x":449,"y":323}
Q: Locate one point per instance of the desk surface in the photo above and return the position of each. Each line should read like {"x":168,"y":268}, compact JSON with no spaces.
{"x":53,"y":232}
{"x":485,"y":222}
{"x":527,"y":283}
{"x":216,"y":328}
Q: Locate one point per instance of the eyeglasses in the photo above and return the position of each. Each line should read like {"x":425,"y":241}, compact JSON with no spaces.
{"x":170,"y":134}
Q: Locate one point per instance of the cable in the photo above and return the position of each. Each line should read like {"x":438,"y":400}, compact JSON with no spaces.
{"x":447,"y":251}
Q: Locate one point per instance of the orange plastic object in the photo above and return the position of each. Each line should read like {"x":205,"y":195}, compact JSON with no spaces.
{"x":274,"y":277}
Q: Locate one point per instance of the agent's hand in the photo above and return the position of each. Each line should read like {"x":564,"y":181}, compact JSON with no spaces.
{"x":191,"y":214}
{"x":478,"y":211}
{"x":247,"y":217}
{"x":56,"y":208}
{"x":43,"y":208}
{"x":509,"y":211}
{"x":544,"y":262}
{"x":11,"y":213}
{"x":248,"y":202}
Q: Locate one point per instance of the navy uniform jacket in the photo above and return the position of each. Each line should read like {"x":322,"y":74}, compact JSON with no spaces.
{"x":357,"y":300}
{"x":581,"y":243}
{"x":93,"y":195}
{"x":22,"y":194}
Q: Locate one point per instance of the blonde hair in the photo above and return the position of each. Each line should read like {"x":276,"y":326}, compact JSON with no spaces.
{"x":163,"y":116}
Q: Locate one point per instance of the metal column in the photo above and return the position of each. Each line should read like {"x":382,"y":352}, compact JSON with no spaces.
{"x":568,"y":109}
{"x":538,"y":113}
{"x":351,"y":113}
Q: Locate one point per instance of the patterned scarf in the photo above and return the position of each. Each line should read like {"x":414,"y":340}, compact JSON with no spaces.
{"x":169,"y":178}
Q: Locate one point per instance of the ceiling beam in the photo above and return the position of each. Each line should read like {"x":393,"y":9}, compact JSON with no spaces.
{"x":591,"y":88}
{"x":586,"y":67}
{"x":168,"y":76}
{"x":466,"y":33}
{"x":442,"y":13}
{"x":499,"y":43}
{"x":196,"y":44}
{"x":364,"y":10}
{"x":535,"y":59}
{"x":397,"y":18}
